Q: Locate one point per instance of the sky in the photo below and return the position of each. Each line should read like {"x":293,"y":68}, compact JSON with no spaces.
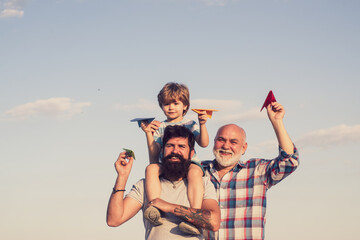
{"x":73,"y":73}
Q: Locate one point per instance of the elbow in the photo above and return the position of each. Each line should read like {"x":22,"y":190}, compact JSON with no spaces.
{"x":216,"y":226}
{"x":112,"y":223}
{"x":204,"y":144}
{"x":215,"y":221}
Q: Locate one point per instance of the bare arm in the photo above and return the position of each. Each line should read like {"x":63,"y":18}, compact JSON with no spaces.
{"x":119,"y":209}
{"x":207,"y":217}
{"x":153,"y":147}
{"x":276,"y":114}
{"x":203,"y":138}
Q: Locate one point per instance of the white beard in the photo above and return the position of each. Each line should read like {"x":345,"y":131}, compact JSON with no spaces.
{"x":223,"y":162}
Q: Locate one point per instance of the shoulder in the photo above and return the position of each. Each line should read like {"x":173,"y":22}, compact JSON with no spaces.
{"x":137,"y":191}
{"x":209,"y":189}
{"x":139,"y":186}
{"x":207,"y":164}
{"x":188,"y":122}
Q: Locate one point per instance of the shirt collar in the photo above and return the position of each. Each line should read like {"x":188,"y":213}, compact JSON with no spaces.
{"x":237,"y":167}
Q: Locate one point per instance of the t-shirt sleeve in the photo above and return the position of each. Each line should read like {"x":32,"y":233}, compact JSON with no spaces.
{"x":209,"y":189}
{"x":137,"y":192}
{"x":194,"y":128}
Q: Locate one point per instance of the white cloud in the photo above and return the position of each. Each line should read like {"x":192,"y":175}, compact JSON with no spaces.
{"x":7,"y":13}
{"x":249,"y":115}
{"x":215,"y":104}
{"x":13,"y":8}
{"x":53,"y":107}
{"x":141,"y":105}
{"x":312,"y":141}
{"x":229,"y":110}
{"x":329,"y":137}
{"x":226,"y":109}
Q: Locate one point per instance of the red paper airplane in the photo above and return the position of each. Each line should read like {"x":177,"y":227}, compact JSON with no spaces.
{"x":269,"y":99}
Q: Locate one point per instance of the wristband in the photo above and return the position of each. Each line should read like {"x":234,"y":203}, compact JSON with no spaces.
{"x":119,"y":190}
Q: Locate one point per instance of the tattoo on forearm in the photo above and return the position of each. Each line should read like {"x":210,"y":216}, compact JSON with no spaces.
{"x":199,"y":217}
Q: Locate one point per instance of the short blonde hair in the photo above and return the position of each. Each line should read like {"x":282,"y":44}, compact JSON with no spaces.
{"x":172,"y":92}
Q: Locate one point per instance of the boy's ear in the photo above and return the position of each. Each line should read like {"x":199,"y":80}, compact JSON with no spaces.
{"x":185,"y":109}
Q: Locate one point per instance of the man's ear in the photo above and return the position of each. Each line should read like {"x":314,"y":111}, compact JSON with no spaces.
{"x":244,"y":147}
{"x":192,"y":152}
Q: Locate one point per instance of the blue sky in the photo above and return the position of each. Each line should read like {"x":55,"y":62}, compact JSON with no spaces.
{"x":73,"y":73}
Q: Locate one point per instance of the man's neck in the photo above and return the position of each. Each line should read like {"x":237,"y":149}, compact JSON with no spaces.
{"x":172,"y":178}
{"x":222,"y":170}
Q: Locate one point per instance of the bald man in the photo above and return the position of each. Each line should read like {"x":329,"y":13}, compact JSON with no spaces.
{"x":241,"y":186}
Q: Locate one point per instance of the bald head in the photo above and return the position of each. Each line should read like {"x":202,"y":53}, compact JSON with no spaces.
{"x":238,"y":131}
{"x":229,"y":145}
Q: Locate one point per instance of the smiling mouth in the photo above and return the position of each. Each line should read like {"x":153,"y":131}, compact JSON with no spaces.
{"x":225,"y":153}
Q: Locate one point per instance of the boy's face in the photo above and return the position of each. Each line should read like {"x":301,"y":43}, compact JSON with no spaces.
{"x":174,"y":110}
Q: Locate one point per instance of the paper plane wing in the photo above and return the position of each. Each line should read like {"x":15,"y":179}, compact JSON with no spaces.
{"x":139,"y":120}
{"x":269,"y":99}
{"x":129,"y":153}
{"x":209,"y":112}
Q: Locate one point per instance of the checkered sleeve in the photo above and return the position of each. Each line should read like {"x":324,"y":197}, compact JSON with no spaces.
{"x":281,"y":167}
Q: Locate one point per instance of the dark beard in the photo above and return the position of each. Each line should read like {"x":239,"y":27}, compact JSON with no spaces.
{"x":175,"y":170}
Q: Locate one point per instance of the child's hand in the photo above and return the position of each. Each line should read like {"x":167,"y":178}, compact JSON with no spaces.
{"x":203,"y":117}
{"x":150,"y":127}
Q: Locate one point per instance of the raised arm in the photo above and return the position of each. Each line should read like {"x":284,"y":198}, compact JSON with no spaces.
{"x":119,"y":209}
{"x":153,"y":147}
{"x":276,"y":114}
{"x":208,"y":217}
{"x":203,"y":138}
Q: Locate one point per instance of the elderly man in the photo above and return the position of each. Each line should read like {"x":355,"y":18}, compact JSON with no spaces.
{"x":241,"y":186}
{"x":174,"y":203}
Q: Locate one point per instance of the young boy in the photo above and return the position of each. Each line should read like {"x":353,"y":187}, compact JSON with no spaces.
{"x":174,"y":100}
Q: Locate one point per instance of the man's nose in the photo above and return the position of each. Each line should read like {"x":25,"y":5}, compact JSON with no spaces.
{"x":226,"y":145}
{"x":175,"y":150}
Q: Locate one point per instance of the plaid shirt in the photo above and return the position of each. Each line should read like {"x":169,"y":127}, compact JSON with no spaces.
{"x":242,"y":194}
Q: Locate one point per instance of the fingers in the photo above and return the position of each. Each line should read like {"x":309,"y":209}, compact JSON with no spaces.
{"x":124,"y":159}
{"x":202,"y":116}
{"x":275,"y":106}
{"x":150,"y":127}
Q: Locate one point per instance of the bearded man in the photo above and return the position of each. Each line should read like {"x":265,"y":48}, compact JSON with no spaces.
{"x":242,"y":186}
{"x":173,"y":203}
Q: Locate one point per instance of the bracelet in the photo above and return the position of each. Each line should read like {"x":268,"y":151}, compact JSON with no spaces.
{"x":119,"y":190}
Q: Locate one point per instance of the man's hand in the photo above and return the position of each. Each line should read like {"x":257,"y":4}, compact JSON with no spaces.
{"x":150,"y":127}
{"x":203,"y":117}
{"x":276,"y":114}
{"x":207,"y":217}
{"x":275,"y":111}
{"x":162,"y":205}
{"x":123,"y":164}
